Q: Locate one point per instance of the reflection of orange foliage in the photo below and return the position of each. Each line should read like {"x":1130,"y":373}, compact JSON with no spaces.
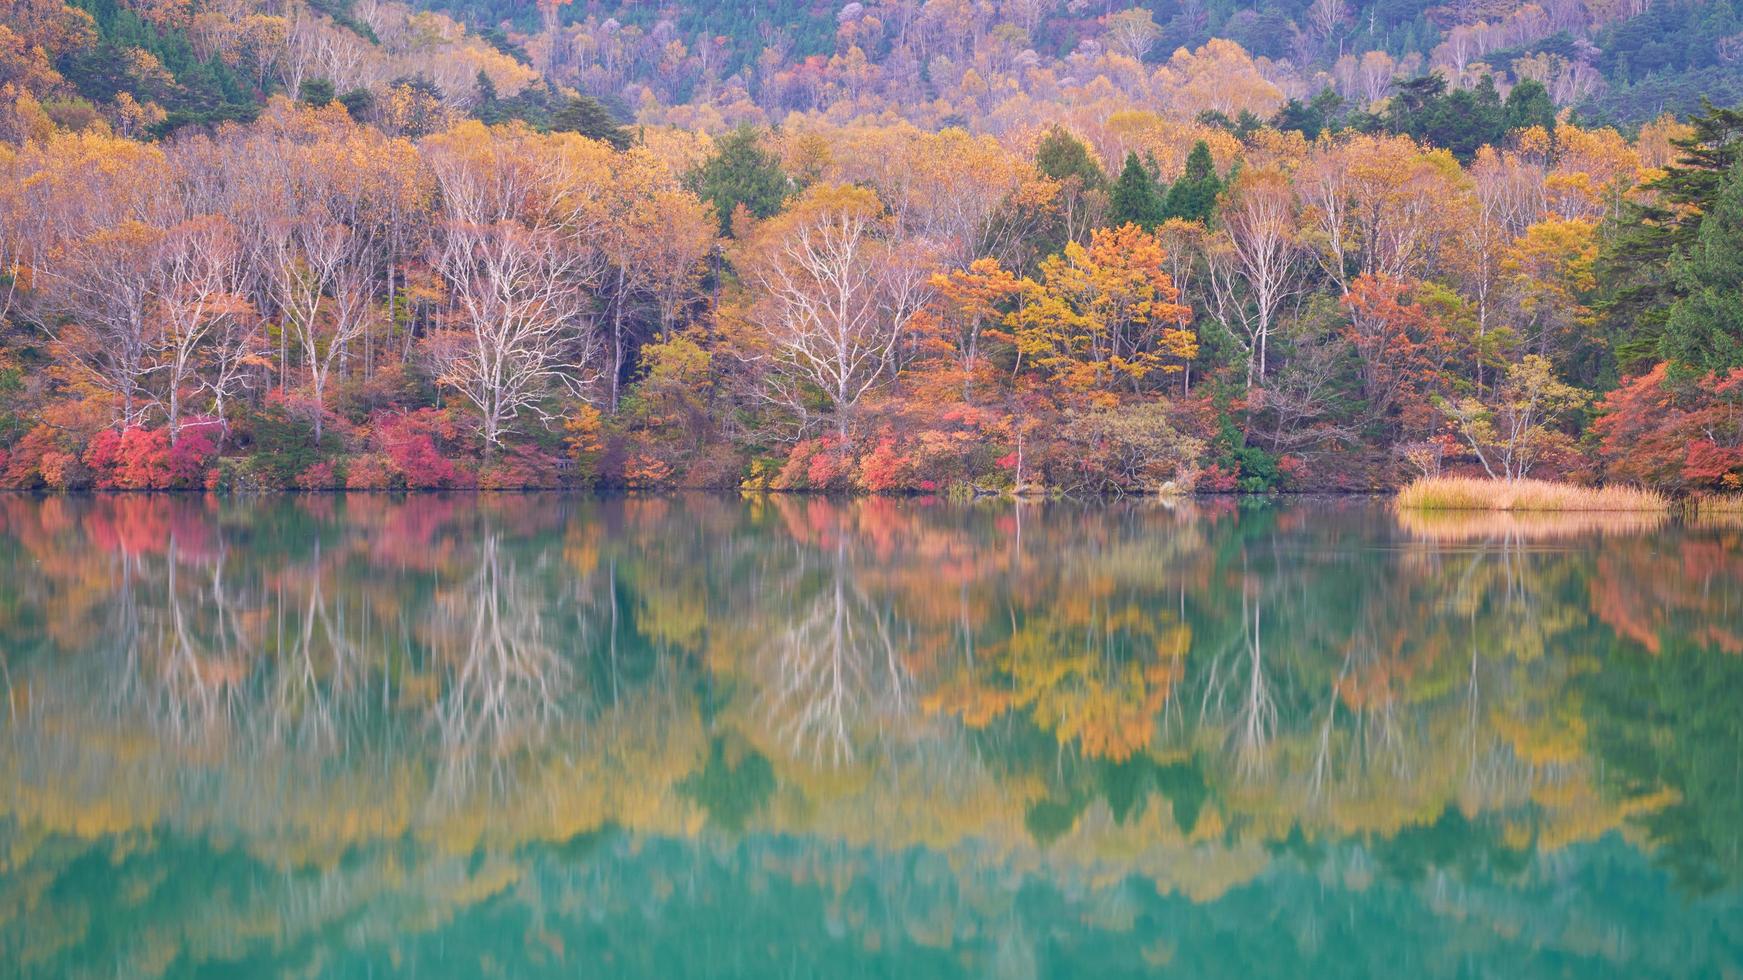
{"x":1640,"y":589}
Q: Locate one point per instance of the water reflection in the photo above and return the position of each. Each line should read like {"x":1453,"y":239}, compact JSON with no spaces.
{"x":337,"y":734}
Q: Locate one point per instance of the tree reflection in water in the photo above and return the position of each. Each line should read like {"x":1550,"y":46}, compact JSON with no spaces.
{"x":415,"y":710}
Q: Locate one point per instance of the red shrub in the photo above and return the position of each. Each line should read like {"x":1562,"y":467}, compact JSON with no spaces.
{"x":23,"y":470}
{"x":147,"y":459}
{"x":317,"y":477}
{"x":884,"y":468}
{"x":409,"y":441}
{"x":519,"y":469}
{"x":1215,"y":479}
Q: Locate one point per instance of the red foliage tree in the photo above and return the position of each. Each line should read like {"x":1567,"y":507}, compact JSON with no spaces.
{"x":1674,"y":434}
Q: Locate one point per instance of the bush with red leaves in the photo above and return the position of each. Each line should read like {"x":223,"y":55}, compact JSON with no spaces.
{"x":138,"y":458}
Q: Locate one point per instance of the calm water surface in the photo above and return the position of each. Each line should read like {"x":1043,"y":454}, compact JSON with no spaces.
{"x":701,"y":736}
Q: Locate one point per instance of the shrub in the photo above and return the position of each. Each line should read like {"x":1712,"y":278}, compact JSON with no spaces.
{"x":148,"y":459}
{"x":1126,"y":448}
{"x":370,"y":471}
{"x":519,"y":468}
{"x":63,"y":471}
{"x":320,"y":476}
{"x":815,"y":464}
{"x":283,"y":442}
{"x":409,"y":441}
{"x":884,"y":468}
{"x":23,"y":470}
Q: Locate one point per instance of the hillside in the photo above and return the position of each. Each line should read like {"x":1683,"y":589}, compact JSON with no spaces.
{"x":1615,"y":61}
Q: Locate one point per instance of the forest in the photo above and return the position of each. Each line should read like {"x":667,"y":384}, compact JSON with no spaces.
{"x":284,"y":245}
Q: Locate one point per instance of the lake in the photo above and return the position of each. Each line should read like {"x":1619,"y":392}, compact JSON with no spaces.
{"x":548,"y":735}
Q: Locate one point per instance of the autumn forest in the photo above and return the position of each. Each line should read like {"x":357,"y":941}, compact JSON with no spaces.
{"x":277,"y":245}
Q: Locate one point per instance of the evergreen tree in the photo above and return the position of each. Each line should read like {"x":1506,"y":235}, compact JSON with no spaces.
{"x":1193,"y":196}
{"x":1463,"y":121}
{"x":741,"y":172}
{"x":1300,"y":117}
{"x":1061,"y":156}
{"x":359,"y":102}
{"x":1135,"y":198}
{"x":1704,"y":331}
{"x":316,"y":92}
{"x":588,"y":116}
{"x":1529,"y":105}
{"x":1638,"y":297}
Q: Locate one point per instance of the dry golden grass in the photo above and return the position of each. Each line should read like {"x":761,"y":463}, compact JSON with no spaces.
{"x":1468,"y":493}
{"x":1730,"y":503}
{"x":1457,"y":526}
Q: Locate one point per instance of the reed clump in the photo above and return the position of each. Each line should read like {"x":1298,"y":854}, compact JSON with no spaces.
{"x":1729,"y":504}
{"x":1474,"y":493}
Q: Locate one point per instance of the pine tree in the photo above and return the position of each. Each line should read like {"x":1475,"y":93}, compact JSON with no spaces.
{"x":741,"y":172}
{"x":1528,"y":104}
{"x":1135,"y":198}
{"x":1061,"y":156}
{"x":589,"y":117}
{"x":1638,"y":297}
{"x":1704,"y":331}
{"x":1193,"y":196}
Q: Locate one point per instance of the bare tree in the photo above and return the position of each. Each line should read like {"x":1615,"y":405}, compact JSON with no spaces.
{"x":835,"y":297}
{"x":198,"y":303}
{"x":1255,"y":264}
{"x":321,"y":273}
{"x":517,"y":334}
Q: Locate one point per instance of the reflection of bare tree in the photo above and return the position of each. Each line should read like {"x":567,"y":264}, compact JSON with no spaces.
{"x":188,"y":652}
{"x":836,"y":668}
{"x":507,"y":681}
{"x":319,"y":673}
{"x":1238,"y":691}
{"x":1256,"y":717}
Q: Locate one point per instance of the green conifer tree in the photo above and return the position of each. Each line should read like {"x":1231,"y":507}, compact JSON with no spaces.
{"x":1135,"y":198}
{"x":741,"y":172}
{"x":1705,"y":329}
{"x":1193,"y":196}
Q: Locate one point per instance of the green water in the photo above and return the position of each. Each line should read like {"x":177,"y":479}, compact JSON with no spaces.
{"x":702,"y":736}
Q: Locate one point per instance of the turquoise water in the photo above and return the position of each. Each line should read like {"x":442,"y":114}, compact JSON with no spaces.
{"x":703,"y":736}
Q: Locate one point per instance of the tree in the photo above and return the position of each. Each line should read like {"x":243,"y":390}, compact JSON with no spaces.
{"x":588,"y":116}
{"x":1548,"y":271}
{"x":1082,"y":199}
{"x":1514,"y":430}
{"x":741,"y":173}
{"x":200,"y":311}
{"x":1528,"y":105}
{"x":316,"y":92}
{"x":1254,"y":264}
{"x":1135,"y":198}
{"x":1675,"y":433}
{"x":1104,"y":315}
{"x":1132,"y":32}
{"x":1704,"y":331}
{"x":516,"y":337}
{"x":321,"y":276}
{"x":833,"y":294}
{"x":969,"y":302}
{"x":1193,"y":196}
{"x":1061,"y":156}
{"x":1401,"y":349}
{"x":1638,"y":296}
